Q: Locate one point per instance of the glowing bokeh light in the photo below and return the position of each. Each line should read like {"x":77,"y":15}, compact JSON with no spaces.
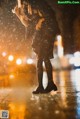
{"x":29,"y":61}
{"x":4,"y":54}
{"x":11,"y":76}
{"x":19,"y":61}
{"x":60,"y":46}
{"x":59,"y":37}
{"x":11,"y":58}
{"x":75,"y":60}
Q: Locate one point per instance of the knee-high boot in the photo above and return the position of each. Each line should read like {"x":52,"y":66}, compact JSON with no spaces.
{"x":40,"y":88}
{"x":40,"y":72}
{"x":51,"y":86}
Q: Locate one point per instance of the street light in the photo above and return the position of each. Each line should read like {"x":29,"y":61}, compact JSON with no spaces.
{"x":60,"y":46}
{"x":11,"y":58}
{"x":19,"y":61}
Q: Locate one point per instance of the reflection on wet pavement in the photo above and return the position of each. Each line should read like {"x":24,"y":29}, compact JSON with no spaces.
{"x":64,"y":104}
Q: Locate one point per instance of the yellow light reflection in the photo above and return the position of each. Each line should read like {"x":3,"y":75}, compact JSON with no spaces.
{"x":77,"y":79}
{"x":17,"y":111}
{"x":63,"y":87}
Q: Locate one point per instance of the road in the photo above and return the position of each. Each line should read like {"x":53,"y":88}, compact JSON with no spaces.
{"x":22,"y":104}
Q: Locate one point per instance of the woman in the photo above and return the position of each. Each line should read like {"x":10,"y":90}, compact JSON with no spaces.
{"x":40,"y":18}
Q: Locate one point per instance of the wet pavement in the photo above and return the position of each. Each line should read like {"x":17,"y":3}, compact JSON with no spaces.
{"x":22,"y":104}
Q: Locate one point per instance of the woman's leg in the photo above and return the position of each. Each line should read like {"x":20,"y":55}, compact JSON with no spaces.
{"x":40,"y":71}
{"x":48,"y":69}
{"x":40,"y":88}
{"x":51,"y":86}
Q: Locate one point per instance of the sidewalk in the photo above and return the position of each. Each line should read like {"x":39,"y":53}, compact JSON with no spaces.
{"x":64,"y":104}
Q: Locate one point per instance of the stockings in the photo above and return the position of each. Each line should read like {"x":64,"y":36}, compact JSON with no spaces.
{"x":48,"y":67}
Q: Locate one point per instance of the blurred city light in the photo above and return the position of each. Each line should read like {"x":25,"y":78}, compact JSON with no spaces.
{"x":75,"y":60}
{"x":59,"y":37}
{"x":19,"y":61}
{"x":71,"y":60}
{"x":11,"y":58}
{"x":77,"y":54}
{"x":11,"y":76}
{"x":4,"y":54}
{"x":60,"y":46}
{"x":30,"y":61}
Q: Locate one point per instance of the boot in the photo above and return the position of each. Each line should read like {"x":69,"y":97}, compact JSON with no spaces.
{"x":51,"y":86}
{"x":39,"y":90}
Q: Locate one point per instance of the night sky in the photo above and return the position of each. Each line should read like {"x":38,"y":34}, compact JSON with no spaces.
{"x":13,"y":33}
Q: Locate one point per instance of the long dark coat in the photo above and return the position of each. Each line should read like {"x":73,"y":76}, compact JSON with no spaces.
{"x":43,"y":39}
